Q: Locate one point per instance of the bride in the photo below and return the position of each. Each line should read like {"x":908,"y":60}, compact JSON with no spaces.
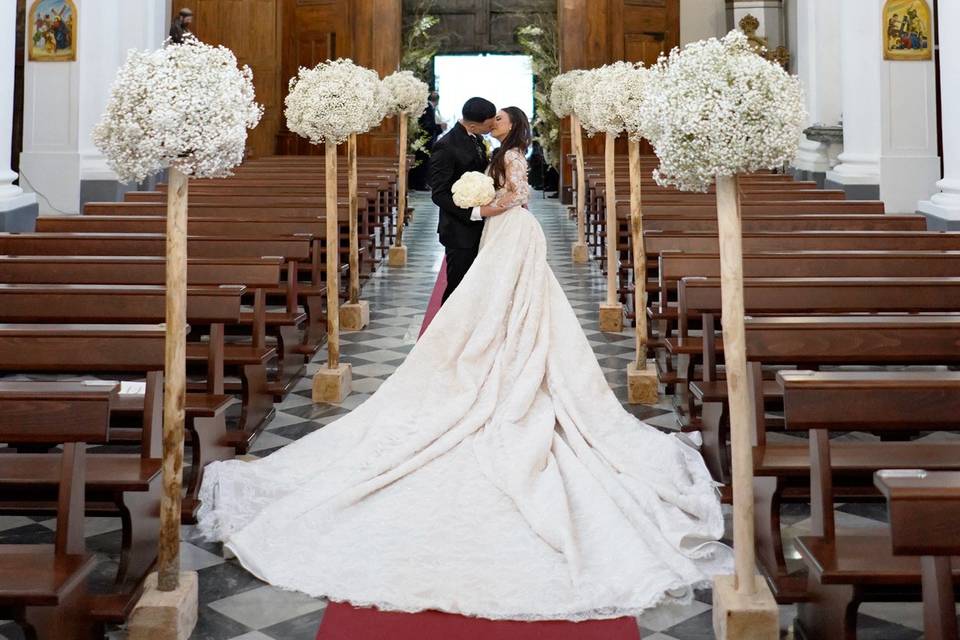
{"x":494,"y":474}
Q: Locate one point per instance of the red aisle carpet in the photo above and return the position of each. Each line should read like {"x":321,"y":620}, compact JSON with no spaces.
{"x":344,"y":622}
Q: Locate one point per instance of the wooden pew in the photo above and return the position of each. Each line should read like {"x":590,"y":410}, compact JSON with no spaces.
{"x":924,"y":509}
{"x":848,"y":567}
{"x":293,"y":250}
{"x":781,"y":470}
{"x":118,"y":304}
{"x":118,"y":484}
{"x":247,"y":360}
{"x":43,"y":587}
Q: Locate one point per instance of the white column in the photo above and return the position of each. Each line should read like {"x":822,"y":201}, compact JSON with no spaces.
{"x":12,"y":196}
{"x":945,"y":204}
{"x":861,"y":54}
{"x":64,"y":100}
{"x":816,"y":53}
{"x":701,"y":19}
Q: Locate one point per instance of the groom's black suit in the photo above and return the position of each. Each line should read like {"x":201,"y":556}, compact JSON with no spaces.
{"x":453,"y":155}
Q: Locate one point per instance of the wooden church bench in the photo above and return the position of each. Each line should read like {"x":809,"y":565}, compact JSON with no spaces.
{"x":847,"y":567}
{"x":924,"y":508}
{"x":43,"y":587}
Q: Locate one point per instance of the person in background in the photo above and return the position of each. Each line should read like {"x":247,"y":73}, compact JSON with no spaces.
{"x":181,"y":26}
{"x":432,"y":126}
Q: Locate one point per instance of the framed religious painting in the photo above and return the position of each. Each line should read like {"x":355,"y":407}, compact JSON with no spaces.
{"x":907,"y":30}
{"x":52,"y":31}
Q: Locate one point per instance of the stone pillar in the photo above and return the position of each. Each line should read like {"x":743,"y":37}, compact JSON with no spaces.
{"x":943,"y":207}
{"x":18,"y":210}
{"x":860,"y":56}
{"x":64,"y":101}
{"x":816,"y":52}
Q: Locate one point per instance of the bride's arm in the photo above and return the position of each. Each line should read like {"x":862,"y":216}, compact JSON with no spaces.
{"x":517,"y":187}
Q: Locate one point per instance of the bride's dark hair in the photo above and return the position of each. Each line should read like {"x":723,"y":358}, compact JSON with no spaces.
{"x":518,"y":138}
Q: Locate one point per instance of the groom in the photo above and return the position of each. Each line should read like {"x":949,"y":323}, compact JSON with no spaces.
{"x":459,"y":151}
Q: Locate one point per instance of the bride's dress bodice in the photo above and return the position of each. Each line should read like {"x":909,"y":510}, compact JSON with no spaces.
{"x":493,"y":474}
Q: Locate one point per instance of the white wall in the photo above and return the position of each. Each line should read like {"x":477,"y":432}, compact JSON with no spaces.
{"x":64,"y":100}
{"x":701,"y":19}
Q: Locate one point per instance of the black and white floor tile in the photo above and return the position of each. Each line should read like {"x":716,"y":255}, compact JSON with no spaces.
{"x":234,"y":605}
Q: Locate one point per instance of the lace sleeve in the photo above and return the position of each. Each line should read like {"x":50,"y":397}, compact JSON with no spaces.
{"x":517,"y":189}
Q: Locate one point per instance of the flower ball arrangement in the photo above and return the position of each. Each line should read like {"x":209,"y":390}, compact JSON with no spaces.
{"x":408,"y":94}
{"x":335,"y":99}
{"x":473,"y":189}
{"x":184,"y":106}
{"x":563,"y":90}
{"x":719,"y":108}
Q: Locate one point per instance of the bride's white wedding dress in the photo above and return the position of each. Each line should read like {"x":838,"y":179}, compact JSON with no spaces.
{"x":494,"y":474}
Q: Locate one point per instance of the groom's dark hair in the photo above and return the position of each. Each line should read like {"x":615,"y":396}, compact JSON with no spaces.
{"x":478,"y":110}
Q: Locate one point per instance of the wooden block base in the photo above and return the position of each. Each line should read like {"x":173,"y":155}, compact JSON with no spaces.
{"x":165,"y":615}
{"x":739,"y":617}
{"x":355,"y":316}
{"x":332,"y":385}
{"x":611,"y":317}
{"x":579,"y":252}
{"x":397,"y":256}
{"x":643,"y":386}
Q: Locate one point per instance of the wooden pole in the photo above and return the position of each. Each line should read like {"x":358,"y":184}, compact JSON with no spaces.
{"x":333,"y":262}
{"x":352,"y":215}
{"x":402,"y":179}
{"x":174,"y":390}
{"x":611,"y":204}
{"x":576,"y":137}
{"x":639,"y":253}
{"x":735,"y":357}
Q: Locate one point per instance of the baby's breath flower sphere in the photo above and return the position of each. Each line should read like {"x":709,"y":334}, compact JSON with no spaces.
{"x":335,"y":99}
{"x":184,"y":106}
{"x":718,"y":108}
{"x":408,"y":94}
{"x":602,"y":101}
{"x":563,"y":89}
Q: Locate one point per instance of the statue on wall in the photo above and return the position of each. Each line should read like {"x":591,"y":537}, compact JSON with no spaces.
{"x":781,"y":55}
{"x":181,"y":26}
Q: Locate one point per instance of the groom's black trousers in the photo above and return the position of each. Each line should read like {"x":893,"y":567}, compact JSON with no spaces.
{"x":458,"y":262}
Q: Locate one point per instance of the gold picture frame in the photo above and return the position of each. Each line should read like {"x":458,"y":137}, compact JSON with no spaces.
{"x":907,"y":30}
{"x":52,"y":31}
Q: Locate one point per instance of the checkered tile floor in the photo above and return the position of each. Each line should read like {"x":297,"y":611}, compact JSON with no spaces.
{"x":235,"y":605}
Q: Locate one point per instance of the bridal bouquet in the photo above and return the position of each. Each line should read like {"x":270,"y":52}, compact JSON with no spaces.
{"x":473,"y":189}
{"x":718,"y":108}
{"x":186,"y":106}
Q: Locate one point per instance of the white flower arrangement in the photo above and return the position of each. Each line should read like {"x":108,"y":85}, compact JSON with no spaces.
{"x":563,"y":90}
{"x":603,"y":99}
{"x":718,"y":108}
{"x":335,"y":99}
{"x":473,"y":189}
{"x":184,"y":106}
{"x":408,"y":94}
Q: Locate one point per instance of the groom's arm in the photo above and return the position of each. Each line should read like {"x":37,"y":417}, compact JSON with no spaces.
{"x":442,"y":171}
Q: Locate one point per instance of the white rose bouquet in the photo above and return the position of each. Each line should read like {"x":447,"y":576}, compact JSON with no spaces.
{"x":473,"y":189}
{"x":184,"y":106}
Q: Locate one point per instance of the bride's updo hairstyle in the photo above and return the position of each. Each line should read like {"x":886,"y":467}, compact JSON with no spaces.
{"x":518,"y":138}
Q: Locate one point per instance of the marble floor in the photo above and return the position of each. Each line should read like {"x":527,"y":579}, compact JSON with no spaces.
{"x":235,"y":605}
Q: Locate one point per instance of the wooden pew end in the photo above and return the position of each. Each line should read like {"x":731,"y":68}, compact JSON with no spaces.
{"x":332,"y":385}
{"x":579,"y":252}
{"x":643,"y":386}
{"x":165,"y":615}
{"x":397,"y":256}
{"x":354,"y":316}
{"x":611,"y":317}
{"x":744,"y":617}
